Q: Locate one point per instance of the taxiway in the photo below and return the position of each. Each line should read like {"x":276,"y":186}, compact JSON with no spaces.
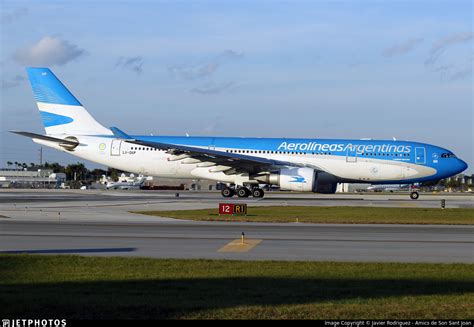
{"x":99,"y":223}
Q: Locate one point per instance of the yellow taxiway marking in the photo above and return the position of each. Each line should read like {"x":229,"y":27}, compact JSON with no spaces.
{"x":409,"y":204}
{"x":238,"y":246}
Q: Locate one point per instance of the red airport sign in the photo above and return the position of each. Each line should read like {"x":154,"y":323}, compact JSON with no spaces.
{"x":232,"y":209}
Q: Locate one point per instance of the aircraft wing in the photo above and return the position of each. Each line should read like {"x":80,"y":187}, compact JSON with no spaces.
{"x":237,"y":163}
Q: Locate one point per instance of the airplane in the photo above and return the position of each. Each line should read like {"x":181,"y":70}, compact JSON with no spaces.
{"x":305,"y":165}
{"x":125,"y":183}
{"x":388,"y":188}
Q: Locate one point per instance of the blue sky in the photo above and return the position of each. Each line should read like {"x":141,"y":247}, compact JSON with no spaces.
{"x":322,"y":69}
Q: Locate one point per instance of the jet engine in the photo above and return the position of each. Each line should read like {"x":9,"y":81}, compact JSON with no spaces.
{"x":300,"y":179}
{"x":70,"y":143}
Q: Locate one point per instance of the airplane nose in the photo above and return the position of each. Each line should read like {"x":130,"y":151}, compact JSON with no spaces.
{"x":461,"y":166}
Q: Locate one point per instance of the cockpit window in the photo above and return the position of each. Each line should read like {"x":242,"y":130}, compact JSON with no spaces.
{"x":448,"y":155}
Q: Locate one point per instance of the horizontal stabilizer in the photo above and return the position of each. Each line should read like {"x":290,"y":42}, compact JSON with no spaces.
{"x":47,"y":138}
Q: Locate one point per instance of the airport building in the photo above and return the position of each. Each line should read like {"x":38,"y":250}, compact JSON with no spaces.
{"x":183,"y":184}
{"x":351,"y":187}
{"x":461,"y":178}
{"x":41,"y":178}
{"x":131,"y":181}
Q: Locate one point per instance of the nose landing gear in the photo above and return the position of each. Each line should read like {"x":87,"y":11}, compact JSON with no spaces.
{"x":414,"y":195}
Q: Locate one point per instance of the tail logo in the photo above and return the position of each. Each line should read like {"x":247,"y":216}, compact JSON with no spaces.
{"x":50,"y":119}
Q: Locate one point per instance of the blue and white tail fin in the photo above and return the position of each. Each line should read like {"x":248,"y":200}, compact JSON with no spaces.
{"x":60,"y":111}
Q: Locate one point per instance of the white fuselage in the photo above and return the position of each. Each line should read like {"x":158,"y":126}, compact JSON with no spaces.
{"x":144,"y":160}
{"x":307,"y":164}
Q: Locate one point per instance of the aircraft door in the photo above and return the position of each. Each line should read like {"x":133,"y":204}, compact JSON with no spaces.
{"x":115,"y":147}
{"x":351,"y":154}
{"x":420,"y":155}
{"x":212,"y":145}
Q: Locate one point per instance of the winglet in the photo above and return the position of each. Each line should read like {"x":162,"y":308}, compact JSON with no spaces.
{"x":120,"y":134}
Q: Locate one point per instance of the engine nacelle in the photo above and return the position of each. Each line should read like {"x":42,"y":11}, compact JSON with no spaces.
{"x":69,"y":146}
{"x":325,"y":188}
{"x":297,"y":179}
{"x":301,"y":179}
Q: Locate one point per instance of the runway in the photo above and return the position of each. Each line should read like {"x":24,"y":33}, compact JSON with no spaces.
{"x":81,"y":197}
{"x":99,"y":224}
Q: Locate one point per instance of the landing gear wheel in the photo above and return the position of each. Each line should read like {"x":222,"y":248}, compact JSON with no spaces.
{"x":414,"y":195}
{"x":227,"y":192}
{"x":257,"y":193}
{"x":243,"y":192}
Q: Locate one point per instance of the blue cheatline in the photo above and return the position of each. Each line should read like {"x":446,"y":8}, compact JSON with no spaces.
{"x":47,"y":88}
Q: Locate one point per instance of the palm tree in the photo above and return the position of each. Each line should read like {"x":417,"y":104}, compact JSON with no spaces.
{"x":9,"y":163}
{"x":78,"y":169}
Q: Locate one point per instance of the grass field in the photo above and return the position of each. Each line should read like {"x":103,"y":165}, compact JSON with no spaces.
{"x":106,"y":288}
{"x":341,"y":215}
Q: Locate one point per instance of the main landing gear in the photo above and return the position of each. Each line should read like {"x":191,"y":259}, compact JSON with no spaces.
{"x":228,"y":192}
{"x":242,"y":192}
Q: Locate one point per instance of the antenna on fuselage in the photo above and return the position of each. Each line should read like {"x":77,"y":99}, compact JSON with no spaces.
{"x":394,"y":138}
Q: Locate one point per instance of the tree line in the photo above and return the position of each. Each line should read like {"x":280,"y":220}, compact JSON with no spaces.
{"x":77,"y":171}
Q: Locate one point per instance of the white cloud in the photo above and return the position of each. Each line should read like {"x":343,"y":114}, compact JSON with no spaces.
{"x":440,"y":63}
{"x":441,"y":45}
{"x":212,"y":88}
{"x":193,"y":72}
{"x":461,"y":74}
{"x":12,"y":82}
{"x":133,"y":63}
{"x":8,"y":17}
{"x":403,"y":48}
{"x":452,"y":39}
{"x":204,"y":69}
{"x":48,"y":51}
